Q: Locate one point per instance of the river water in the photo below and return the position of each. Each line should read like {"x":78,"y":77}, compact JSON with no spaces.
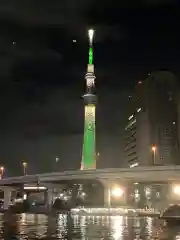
{"x":63,"y":226}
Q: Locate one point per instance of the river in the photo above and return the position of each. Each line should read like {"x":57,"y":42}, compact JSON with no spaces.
{"x":63,"y":226}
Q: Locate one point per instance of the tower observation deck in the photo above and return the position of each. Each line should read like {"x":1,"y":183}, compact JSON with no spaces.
{"x":89,"y":141}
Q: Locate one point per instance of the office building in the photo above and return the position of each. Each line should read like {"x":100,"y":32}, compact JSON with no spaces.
{"x":151,"y":133}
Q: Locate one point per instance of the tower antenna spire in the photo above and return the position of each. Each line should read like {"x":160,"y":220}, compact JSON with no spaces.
{"x":91,"y":36}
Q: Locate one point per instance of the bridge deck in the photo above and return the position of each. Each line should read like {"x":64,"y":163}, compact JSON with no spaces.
{"x":137,"y":174}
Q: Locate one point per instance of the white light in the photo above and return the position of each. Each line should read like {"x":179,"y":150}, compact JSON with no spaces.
{"x":18,"y":200}
{"x":117,"y":192}
{"x":90,"y":82}
{"x":176,"y":190}
{"x":65,"y":198}
{"x":74,"y":40}
{"x":147,"y":191}
{"x":83,"y":194}
{"x":134,"y":165}
{"x":130,"y":117}
{"x":34,"y":188}
{"x":91,"y":34}
{"x":139,"y":109}
{"x":25,"y":196}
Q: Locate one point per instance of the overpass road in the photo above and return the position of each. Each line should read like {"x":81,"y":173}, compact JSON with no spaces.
{"x":138,"y":174}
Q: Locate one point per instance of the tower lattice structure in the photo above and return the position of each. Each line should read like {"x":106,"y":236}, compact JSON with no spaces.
{"x":89,"y":141}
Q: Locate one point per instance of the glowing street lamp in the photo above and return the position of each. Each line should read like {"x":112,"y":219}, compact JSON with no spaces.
{"x":25,"y":164}
{"x":2,"y":171}
{"x":154,"y":153}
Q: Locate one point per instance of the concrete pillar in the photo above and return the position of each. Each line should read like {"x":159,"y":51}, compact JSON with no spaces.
{"x":48,"y":198}
{"x":107,"y":195}
{"x":128,"y":194}
{"x":7,"y":197}
{"x":110,"y":199}
{"x":161,"y":194}
{"x":107,"y":192}
{"x":125,"y":199}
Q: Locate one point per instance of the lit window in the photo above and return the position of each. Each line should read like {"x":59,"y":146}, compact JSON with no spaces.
{"x":134,"y":165}
{"x":130,"y":117}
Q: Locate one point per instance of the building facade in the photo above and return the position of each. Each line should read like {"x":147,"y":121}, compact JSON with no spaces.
{"x":152,"y":128}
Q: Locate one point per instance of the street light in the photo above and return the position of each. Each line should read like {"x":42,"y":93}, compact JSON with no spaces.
{"x":2,"y":171}
{"x":154,"y":153}
{"x":176,"y":190}
{"x":117,"y":192}
{"x":25,"y":167}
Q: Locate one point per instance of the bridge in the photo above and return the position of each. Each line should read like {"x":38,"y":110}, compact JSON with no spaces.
{"x":138,"y":174}
{"x":169,"y":175}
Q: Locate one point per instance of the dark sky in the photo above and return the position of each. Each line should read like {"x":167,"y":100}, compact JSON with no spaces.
{"x":42,"y":74}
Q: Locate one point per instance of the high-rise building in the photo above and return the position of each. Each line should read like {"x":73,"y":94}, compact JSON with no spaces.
{"x":151,"y":131}
{"x":178,"y":106}
{"x":89,"y":145}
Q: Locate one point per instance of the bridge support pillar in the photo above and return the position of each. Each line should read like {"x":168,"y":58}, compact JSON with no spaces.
{"x":48,"y":198}
{"x":107,"y":195}
{"x":7,"y":197}
{"x":52,"y":191}
{"x":107,"y":192}
{"x":115,"y":193}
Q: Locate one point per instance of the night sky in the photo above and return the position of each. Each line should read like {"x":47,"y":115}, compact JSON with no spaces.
{"x":42,"y":74}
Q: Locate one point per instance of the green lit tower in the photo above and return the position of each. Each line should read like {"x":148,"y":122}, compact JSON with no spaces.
{"x":89,"y":142}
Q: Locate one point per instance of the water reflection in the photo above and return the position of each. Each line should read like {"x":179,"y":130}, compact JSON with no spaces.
{"x":33,"y":225}
{"x":65,"y":226}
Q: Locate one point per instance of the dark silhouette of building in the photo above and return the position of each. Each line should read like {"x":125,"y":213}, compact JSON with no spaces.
{"x":151,"y":130}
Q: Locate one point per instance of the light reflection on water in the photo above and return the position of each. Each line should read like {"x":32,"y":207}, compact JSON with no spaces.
{"x":63,"y":226}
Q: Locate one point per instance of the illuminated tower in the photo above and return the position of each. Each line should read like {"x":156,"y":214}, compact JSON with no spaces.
{"x":89,"y":143}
